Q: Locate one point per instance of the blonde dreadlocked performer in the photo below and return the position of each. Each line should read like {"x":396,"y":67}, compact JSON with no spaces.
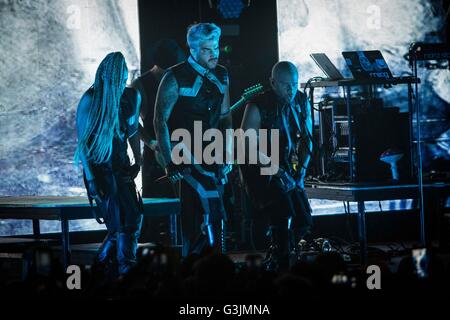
{"x":107,"y":117}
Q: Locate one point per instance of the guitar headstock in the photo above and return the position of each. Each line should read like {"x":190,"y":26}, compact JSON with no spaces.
{"x":247,"y":95}
{"x":252,"y":91}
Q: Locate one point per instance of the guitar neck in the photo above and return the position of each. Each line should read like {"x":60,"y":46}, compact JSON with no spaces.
{"x":237,"y":104}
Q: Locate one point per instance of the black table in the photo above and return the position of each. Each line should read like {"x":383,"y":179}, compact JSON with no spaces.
{"x":361,"y":192}
{"x":74,"y":208}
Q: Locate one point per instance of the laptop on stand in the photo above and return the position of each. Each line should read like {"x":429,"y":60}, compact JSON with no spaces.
{"x":367,"y":65}
{"x":327,"y":66}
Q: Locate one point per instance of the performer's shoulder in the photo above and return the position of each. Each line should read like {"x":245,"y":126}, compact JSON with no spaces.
{"x":221,"y":68}
{"x":132,"y":93}
{"x":222,"y":73}
{"x":142,"y":80}
{"x":179,"y":67}
{"x":86,"y":99}
{"x":131,"y":101}
{"x":261,"y":99}
{"x":169,"y":80}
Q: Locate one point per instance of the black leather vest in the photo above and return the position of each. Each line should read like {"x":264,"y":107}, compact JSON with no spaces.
{"x":259,"y":187}
{"x":201,"y":93}
{"x":271,"y":110}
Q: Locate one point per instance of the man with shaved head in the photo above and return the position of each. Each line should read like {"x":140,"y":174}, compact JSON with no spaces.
{"x":281,"y":197}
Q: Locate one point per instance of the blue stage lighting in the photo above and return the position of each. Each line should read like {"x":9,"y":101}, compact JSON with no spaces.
{"x":230,"y":9}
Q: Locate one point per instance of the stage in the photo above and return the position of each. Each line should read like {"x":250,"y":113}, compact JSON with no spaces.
{"x":64,"y":209}
{"x":73,"y":208}
{"x":361,"y":192}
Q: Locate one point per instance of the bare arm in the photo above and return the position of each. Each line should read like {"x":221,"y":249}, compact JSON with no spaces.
{"x":252,"y":120}
{"x":252,"y":117}
{"x":165,"y":101}
{"x":146,"y":138}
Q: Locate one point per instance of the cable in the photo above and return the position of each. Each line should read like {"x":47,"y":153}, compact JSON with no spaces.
{"x":308,"y":84}
{"x":347,"y":220}
{"x":419,"y":152}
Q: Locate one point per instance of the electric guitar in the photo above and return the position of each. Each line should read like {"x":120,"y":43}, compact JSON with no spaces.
{"x":248,"y":94}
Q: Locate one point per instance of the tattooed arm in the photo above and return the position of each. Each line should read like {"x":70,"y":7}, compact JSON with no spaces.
{"x":166,"y":98}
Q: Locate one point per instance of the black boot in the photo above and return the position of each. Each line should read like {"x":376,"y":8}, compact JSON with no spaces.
{"x":107,"y":250}
{"x":276,"y":259}
{"x":105,"y":263}
{"x":127,"y":244}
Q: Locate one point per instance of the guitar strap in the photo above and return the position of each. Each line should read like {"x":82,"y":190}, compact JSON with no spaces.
{"x":204,"y":195}
{"x":91,"y":202}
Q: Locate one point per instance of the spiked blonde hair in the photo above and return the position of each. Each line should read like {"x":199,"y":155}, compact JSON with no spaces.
{"x":202,"y":32}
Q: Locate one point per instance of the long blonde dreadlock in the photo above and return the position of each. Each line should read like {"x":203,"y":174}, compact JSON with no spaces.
{"x":103,"y":120}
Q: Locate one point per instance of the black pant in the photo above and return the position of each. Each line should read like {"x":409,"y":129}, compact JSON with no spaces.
{"x":153,"y":227}
{"x":291,"y":207}
{"x":195,"y":236}
{"x":122,"y":212}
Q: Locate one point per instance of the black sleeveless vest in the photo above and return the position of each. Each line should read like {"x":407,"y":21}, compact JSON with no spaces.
{"x":259,"y":187}
{"x":201,"y":92}
{"x":271,"y":111}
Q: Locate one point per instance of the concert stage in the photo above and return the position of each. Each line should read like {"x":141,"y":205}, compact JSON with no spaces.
{"x":73,"y":208}
{"x":361,"y":192}
{"x":318,"y":136}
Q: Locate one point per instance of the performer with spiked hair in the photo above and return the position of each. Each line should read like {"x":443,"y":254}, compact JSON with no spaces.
{"x":196,"y":91}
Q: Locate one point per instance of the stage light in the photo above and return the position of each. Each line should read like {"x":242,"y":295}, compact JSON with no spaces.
{"x":227,"y":49}
{"x":230,"y":9}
